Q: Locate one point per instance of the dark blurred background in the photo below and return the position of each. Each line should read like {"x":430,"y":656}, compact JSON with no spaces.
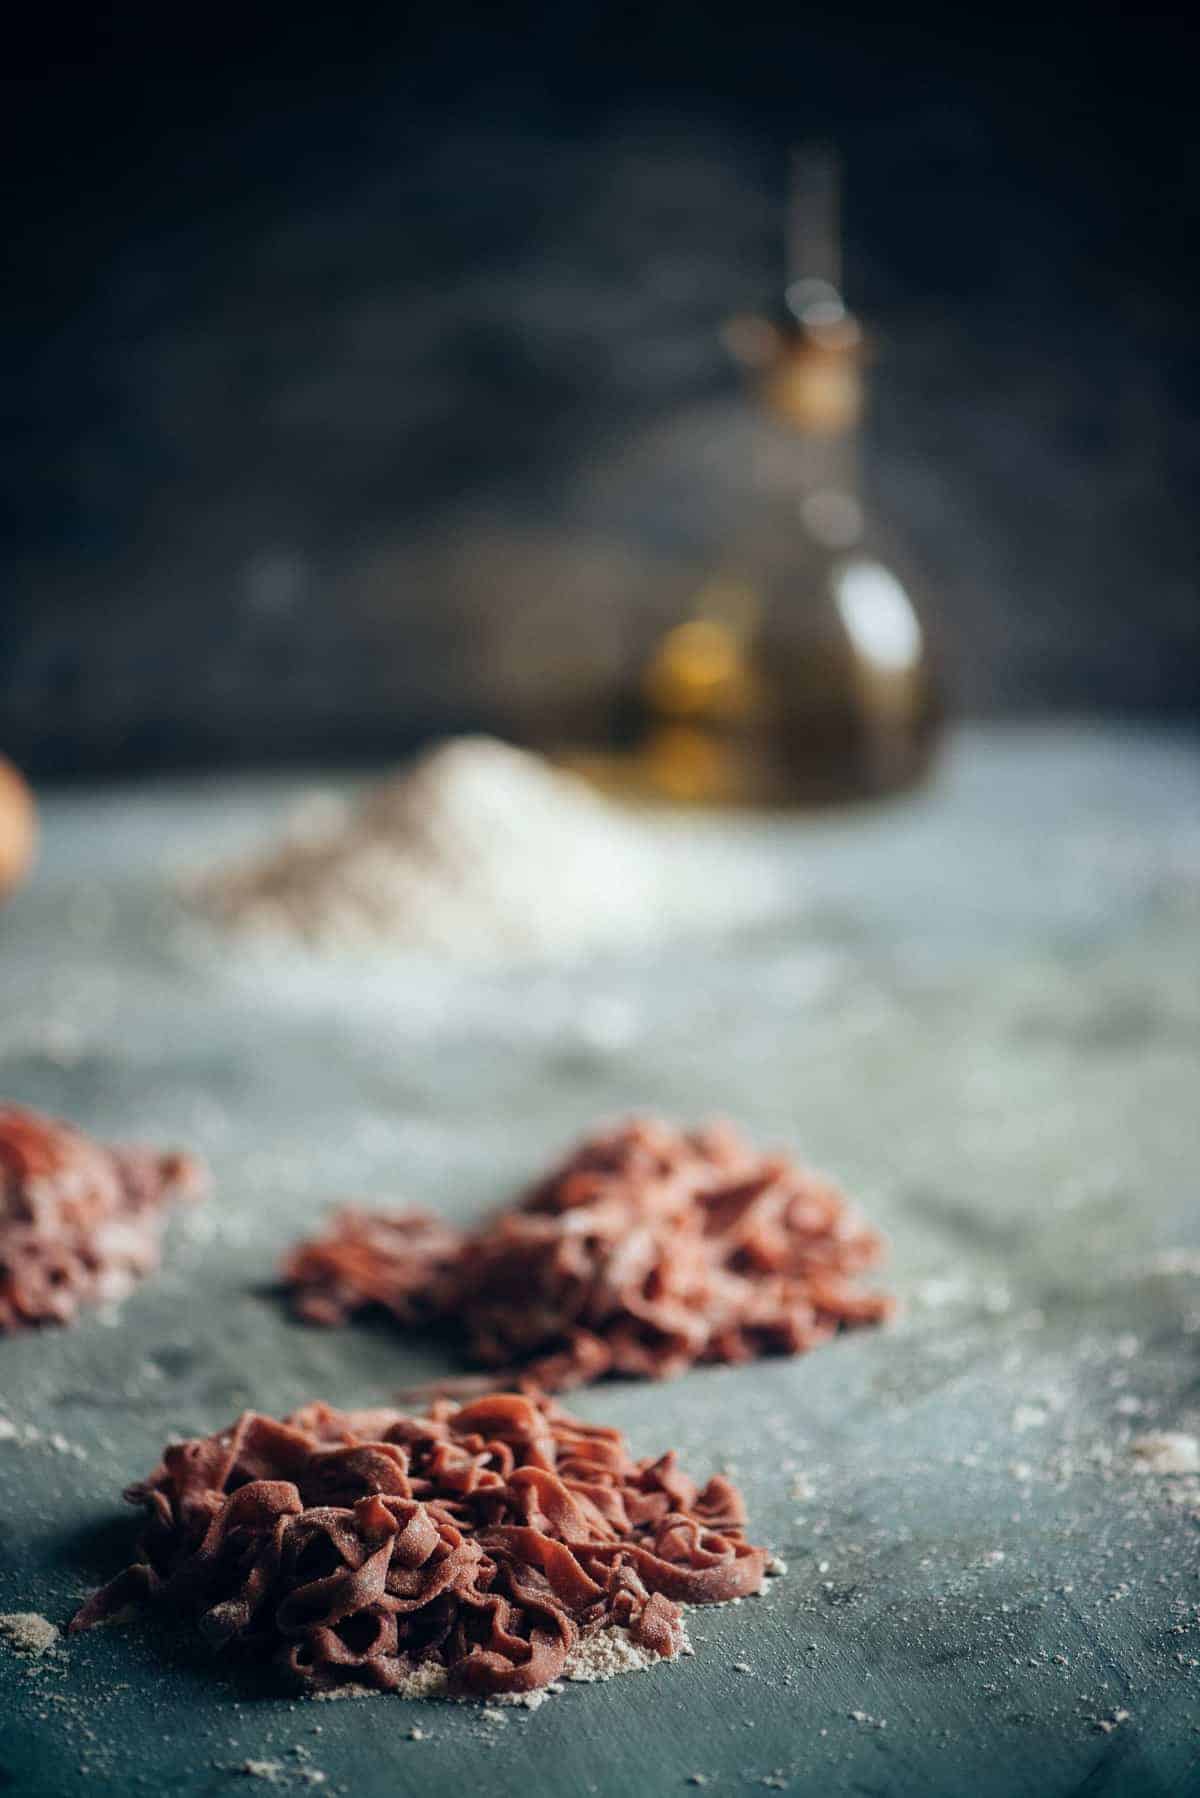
{"x":363,"y":368}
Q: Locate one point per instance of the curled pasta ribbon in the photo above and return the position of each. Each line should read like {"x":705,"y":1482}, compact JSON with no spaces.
{"x":646,"y":1251}
{"x":486,"y":1538}
{"x":79,"y":1222}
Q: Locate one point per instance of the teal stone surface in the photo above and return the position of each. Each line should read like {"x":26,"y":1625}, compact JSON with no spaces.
{"x":978,"y":1008}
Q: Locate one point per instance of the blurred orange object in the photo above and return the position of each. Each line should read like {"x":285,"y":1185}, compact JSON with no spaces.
{"x":18,"y":828}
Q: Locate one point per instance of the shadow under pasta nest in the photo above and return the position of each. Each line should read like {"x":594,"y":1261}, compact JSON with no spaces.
{"x":149,"y":1639}
{"x":163,"y":1639}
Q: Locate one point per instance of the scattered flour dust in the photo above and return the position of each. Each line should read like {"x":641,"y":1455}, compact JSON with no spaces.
{"x":28,"y":1435}
{"x":281,"y":1773}
{"x":612,"y":1651}
{"x":1166,"y":1451}
{"x":478,"y":852}
{"x":28,"y":1632}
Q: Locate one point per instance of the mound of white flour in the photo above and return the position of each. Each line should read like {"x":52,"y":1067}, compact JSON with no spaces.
{"x":478,"y":851}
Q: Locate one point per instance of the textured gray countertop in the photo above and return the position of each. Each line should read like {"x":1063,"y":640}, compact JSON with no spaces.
{"x":979,"y":1009}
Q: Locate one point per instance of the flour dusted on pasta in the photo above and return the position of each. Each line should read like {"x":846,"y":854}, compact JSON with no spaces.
{"x":478,"y":851}
{"x":492,"y":1539}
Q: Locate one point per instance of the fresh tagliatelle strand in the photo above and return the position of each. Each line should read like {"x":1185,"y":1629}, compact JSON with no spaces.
{"x":646,"y":1251}
{"x":80,"y":1222}
{"x":484,"y":1542}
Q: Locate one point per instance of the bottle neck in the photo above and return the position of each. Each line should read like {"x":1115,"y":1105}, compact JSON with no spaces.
{"x":806,"y":489}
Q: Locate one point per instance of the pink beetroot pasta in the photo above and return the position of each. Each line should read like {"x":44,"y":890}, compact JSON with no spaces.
{"x":79,"y":1222}
{"x":647,"y":1250}
{"x":480,"y":1544}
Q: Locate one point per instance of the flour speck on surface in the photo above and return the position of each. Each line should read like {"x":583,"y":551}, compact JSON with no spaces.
{"x":1166,"y":1451}
{"x":276,"y":1773}
{"x":28,"y":1632}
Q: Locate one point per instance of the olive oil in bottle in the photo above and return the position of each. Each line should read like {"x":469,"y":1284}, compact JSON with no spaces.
{"x":801,"y":672}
